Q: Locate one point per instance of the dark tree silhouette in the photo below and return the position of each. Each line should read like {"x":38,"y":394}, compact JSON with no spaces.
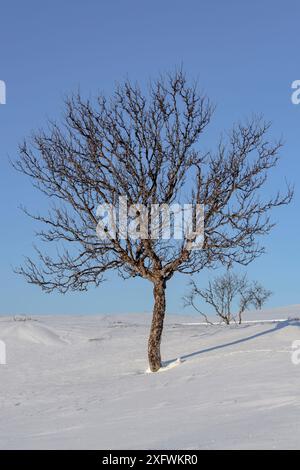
{"x":227,"y":293}
{"x":144,"y":147}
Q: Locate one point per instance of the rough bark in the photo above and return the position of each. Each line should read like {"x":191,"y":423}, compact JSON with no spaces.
{"x":157,"y":325}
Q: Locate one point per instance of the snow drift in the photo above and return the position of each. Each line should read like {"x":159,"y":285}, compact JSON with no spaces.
{"x":81,"y":382}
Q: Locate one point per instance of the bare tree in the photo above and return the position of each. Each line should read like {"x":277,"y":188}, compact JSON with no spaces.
{"x":226,"y":293}
{"x":143,"y":146}
{"x":255,"y":295}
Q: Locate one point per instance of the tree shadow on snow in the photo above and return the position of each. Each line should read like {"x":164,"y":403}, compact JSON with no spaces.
{"x":278,"y":326}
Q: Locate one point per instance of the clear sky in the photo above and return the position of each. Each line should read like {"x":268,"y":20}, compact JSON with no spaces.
{"x":245,"y":56}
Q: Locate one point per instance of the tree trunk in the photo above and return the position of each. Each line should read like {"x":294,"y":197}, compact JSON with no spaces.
{"x":157,"y":325}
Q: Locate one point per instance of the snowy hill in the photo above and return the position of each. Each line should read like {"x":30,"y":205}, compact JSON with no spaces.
{"x":81,"y":382}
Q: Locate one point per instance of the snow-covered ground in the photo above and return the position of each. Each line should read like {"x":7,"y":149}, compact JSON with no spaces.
{"x":81,"y":382}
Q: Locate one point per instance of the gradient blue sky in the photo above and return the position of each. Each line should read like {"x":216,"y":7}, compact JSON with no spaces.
{"x":245,"y":56}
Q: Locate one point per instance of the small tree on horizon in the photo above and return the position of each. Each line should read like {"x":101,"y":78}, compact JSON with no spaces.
{"x":145,"y":147}
{"x":227,"y":293}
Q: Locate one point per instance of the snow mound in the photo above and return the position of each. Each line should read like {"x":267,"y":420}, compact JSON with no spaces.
{"x":33,"y":333}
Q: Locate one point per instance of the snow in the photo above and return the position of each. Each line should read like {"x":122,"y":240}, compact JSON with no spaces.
{"x":166,"y":365}
{"x":81,"y":382}
{"x":31,"y":332}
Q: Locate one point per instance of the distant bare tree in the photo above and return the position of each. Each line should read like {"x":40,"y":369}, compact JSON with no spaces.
{"x":253,"y":295}
{"x":144,"y":147}
{"x":225,"y":293}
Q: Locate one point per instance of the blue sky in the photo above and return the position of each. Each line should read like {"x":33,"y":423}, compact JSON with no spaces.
{"x":244,"y":55}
